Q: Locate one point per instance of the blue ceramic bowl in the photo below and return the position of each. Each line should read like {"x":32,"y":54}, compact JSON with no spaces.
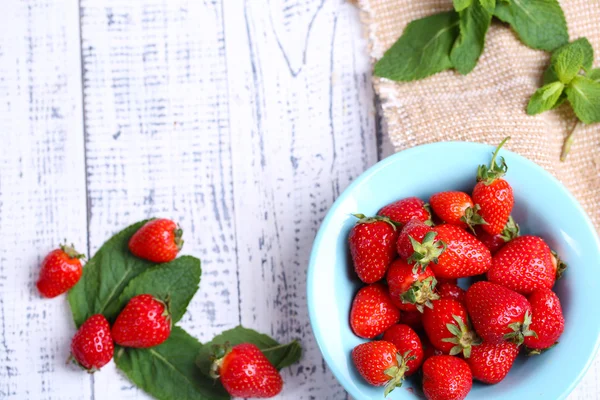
{"x":542,"y":207}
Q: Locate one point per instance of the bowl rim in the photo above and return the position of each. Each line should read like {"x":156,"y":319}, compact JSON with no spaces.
{"x":312,"y":306}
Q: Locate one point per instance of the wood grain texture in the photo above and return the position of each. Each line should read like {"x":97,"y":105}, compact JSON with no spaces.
{"x":42,"y":193}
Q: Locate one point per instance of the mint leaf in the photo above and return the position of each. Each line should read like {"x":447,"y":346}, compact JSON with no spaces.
{"x":584,"y":96}
{"x":175,"y":282}
{"x":422,"y":50}
{"x":280,"y":355}
{"x":168,"y":371}
{"x":545,"y":98}
{"x":474,"y":23}
{"x":105,"y":276}
{"x":540,"y":24}
{"x":580,"y":45}
{"x":594,"y":75}
{"x":460,"y":5}
{"x":489,"y":5}
{"x":568,"y":64}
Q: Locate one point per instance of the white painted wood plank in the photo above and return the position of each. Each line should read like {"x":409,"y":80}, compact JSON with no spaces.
{"x":158,"y":143}
{"x":42,"y":193}
{"x":303,"y":127}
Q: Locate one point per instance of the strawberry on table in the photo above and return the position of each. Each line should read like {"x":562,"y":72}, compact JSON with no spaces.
{"x":244,"y":371}
{"x":490,"y":363}
{"x":456,"y":208}
{"x":144,"y":322}
{"x":495,"y":242}
{"x":159,"y":241}
{"x":417,"y":243}
{"x":373,"y":311}
{"x":404,"y":210}
{"x":60,"y":271}
{"x":524,"y":265}
{"x":464,"y":255}
{"x":494,"y":194}
{"x":408,"y":344}
{"x":498,"y":313}
{"x":448,"y":328}
{"x":411,"y":289}
{"x":380,"y":364}
{"x":92,"y":346}
{"x":451,"y":291}
{"x":372,"y":246}
{"x":547,"y":320}
{"x":446,"y":378}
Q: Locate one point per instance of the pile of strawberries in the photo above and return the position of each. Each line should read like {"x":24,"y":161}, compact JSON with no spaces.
{"x":410,"y":256}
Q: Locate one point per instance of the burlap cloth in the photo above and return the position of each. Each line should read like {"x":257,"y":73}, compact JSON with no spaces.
{"x":489,"y":103}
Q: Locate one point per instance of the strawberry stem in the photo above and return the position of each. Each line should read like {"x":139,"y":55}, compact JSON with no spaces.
{"x":488,"y":175}
{"x":362,"y":219}
{"x":421,"y":293}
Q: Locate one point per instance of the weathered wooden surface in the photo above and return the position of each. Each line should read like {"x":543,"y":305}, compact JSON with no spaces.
{"x":243,"y":120}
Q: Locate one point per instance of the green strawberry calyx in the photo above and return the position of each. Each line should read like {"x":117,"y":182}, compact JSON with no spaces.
{"x":511,"y":230}
{"x":178,"y":237}
{"x":561,"y":266}
{"x":464,"y":337}
{"x":219,"y":352}
{"x":534,"y":352}
{"x":421,"y":294}
{"x":472,"y":217}
{"x":426,"y":252}
{"x":362,"y":219}
{"x":429,"y":221}
{"x":488,"y":175}
{"x":397,"y":372}
{"x":71,"y":252}
{"x":520,"y":330}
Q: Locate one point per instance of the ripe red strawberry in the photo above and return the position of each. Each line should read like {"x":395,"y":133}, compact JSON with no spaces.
{"x":404,"y":210}
{"x":493,"y":194}
{"x":448,"y":328}
{"x":490,"y":363}
{"x":464,"y":255}
{"x":441,"y":281}
{"x":410,"y":288}
{"x":498,"y":313}
{"x":144,"y":322}
{"x":92,"y":346}
{"x":373,"y":311}
{"x":451,"y":291}
{"x":417,"y":243}
{"x":372,"y":246}
{"x":524,"y":265}
{"x":428,"y":349}
{"x":60,"y":271}
{"x":412,"y":319}
{"x":159,"y":241}
{"x":408,"y":344}
{"x":456,"y":208}
{"x":547,"y":320}
{"x":244,"y":371}
{"x":495,"y":242}
{"x":445,"y":378}
{"x":380,"y":364}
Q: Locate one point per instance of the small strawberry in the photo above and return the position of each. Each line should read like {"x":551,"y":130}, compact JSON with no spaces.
{"x":380,"y":364}
{"x":428,"y":349}
{"x":524,"y":265}
{"x":493,"y":194}
{"x":446,"y":378}
{"x":407,"y":343}
{"x":410,"y":288}
{"x":404,"y":210}
{"x":546,"y":320}
{"x":244,"y":371}
{"x":412,"y":319}
{"x":92,"y":346}
{"x":490,"y":363}
{"x":498,"y":313}
{"x":451,"y":291}
{"x":159,"y":241}
{"x":495,"y":242}
{"x":456,"y":208}
{"x":373,"y":311}
{"x":417,"y":243}
{"x":372,"y":246}
{"x":144,"y":322}
{"x":464,"y":255}
{"x":448,"y":328}
{"x":60,"y":271}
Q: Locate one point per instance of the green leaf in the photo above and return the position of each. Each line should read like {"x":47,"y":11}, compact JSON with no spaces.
{"x":105,"y":276}
{"x":422,"y":50}
{"x":584,"y":96}
{"x":581,"y":44}
{"x":175,"y":282}
{"x":474,"y":23}
{"x":489,"y":5}
{"x":568,"y":64}
{"x":169,"y":371}
{"x":545,"y":98}
{"x":594,"y":75}
{"x":540,"y":24}
{"x":460,"y":5}
{"x":280,"y":355}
